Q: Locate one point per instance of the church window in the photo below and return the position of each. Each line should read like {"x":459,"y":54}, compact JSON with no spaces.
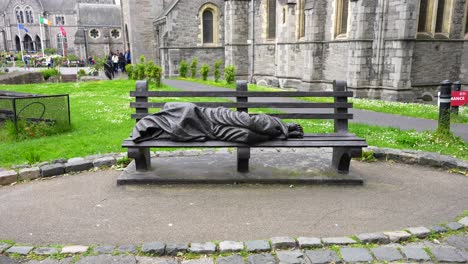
{"x":115,"y":33}
{"x":466,"y":19}
{"x":434,"y":17}
{"x":208,"y":26}
{"x":301,"y":19}
{"x":19,"y":15}
{"x":29,"y":15}
{"x":341,"y":20}
{"x":94,"y":33}
{"x":271,"y":19}
{"x":59,"y":20}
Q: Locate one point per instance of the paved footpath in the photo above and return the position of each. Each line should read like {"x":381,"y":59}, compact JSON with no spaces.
{"x":360,"y":116}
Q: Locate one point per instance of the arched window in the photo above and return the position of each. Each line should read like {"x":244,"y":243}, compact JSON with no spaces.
{"x":341,"y":24}
{"x":300,"y":18}
{"x":19,"y":15}
{"x":209,"y":21}
{"x":207,"y":26}
{"x":18,"y":43}
{"x":28,"y":43}
{"x":434,"y":17}
{"x":271,"y":19}
{"x":22,"y":17}
{"x":29,"y":15}
{"x":38,"y":43}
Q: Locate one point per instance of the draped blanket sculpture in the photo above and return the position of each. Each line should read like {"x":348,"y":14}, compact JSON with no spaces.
{"x":188,"y":122}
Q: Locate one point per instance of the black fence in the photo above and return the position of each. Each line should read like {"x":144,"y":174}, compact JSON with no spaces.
{"x":25,"y":111}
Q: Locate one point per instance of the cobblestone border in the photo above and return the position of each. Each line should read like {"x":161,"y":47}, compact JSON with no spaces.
{"x":74,"y":165}
{"x":380,"y":247}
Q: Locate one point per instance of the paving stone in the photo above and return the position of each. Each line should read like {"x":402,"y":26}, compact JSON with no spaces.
{"x":233,"y":259}
{"x":73,"y":160}
{"x":77,"y":249}
{"x":7,"y":260}
{"x":173,"y":248}
{"x":415,"y":254}
{"x":283,"y":242}
{"x":454,"y":226}
{"x":459,"y":241}
{"x":59,"y":161}
{"x":29,"y":173}
{"x":353,"y":255}
{"x":308,"y":242}
{"x":21,"y":250}
{"x":152,"y":260}
{"x":447,"y":255}
{"x":438,"y":229}
{"x":203,"y":248}
{"x":379,"y":238}
{"x":290,"y":257}
{"x":257,"y":246}
{"x":420,"y":232}
{"x":104,"y":162}
{"x":8,"y":177}
{"x":261,"y":259}
{"x":107,"y":259}
{"x":3,"y":247}
{"x":154,"y":248}
{"x":128,"y":249}
{"x":78,"y":166}
{"x":322,"y":256}
{"x":230,"y":246}
{"x":52,"y":170}
{"x":397,"y":236}
{"x":104,"y":249}
{"x":338,"y":241}
{"x":464,"y":221}
{"x":51,"y":261}
{"x":46,"y":251}
{"x":199,"y":261}
{"x":464,"y":254}
{"x":386,"y":254}
{"x":20,"y":166}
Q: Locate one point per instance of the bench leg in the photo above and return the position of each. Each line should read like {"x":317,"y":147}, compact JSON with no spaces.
{"x":243,"y":156}
{"x":342,"y":158}
{"x":142,"y":158}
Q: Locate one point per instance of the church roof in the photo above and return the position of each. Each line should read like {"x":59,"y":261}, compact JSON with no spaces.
{"x":59,"y":5}
{"x":99,"y":15}
{"x":168,"y":9}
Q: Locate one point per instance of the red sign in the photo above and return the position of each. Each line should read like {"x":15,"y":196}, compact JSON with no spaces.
{"x":459,"y":98}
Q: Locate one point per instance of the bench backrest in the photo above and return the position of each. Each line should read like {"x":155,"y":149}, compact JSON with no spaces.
{"x":340,"y":105}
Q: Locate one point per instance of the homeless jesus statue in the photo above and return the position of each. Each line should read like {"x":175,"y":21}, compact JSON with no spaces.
{"x":188,"y":122}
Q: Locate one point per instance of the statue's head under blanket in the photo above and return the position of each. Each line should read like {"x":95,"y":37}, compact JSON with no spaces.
{"x":188,"y":122}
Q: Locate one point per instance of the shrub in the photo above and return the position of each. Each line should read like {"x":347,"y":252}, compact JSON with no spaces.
{"x":81,"y":73}
{"x":50,"y":51}
{"x":130,"y":70}
{"x":230,"y":74}
{"x":153,"y":73}
{"x":49,"y":73}
{"x":139,"y":73}
{"x":183,"y":69}
{"x":204,"y":71}
{"x":216,"y":72}
{"x":193,"y":67}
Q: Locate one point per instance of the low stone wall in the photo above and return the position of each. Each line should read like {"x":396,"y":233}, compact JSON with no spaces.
{"x":21,"y":78}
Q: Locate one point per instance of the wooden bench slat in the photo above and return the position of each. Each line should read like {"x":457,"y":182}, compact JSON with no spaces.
{"x":237,"y":94}
{"x":268,"y":144}
{"x":251,"y":105}
{"x":289,"y":116}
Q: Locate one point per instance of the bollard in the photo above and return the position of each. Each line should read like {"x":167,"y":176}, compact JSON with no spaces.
{"x":456,"y":86}
{"x":445,"y":95}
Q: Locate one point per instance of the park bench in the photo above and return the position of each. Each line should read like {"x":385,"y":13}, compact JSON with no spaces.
{"x":345,"y":145}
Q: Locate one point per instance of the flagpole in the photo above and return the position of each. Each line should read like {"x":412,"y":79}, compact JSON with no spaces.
{"x":21,"y":43}
{"x":42,"y":36}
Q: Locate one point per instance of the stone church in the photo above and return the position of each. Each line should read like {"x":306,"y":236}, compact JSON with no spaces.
{"x":388,"y":49}
{"x":92,"y":27}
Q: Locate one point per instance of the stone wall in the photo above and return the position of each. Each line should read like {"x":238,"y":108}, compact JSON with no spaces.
{"x":21,"y":78}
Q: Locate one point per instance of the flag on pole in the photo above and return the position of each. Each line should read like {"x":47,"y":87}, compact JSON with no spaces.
{"x":20,"y":26}
{"x":62,"y":30}
{"x":45,"y":21}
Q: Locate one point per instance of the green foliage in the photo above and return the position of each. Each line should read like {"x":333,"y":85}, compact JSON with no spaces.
{"x":123,"y":162}
{"x":368,"y":156}
{"x":72,"y":57}
{"x":183,"y":69}
{"x":139,"y":73}
{"x":216,"y":72}
{"x":204,"y":71}
{"x":49,"y":73}
{"x":130,"y":70}
{"x":32,"y":157}
{"x":153,"y":73}
{"x":142,"y":59}
{"x":230,"y":74}
{"x":81,"y":73}
{"x":50,"y":51}
{"x":193,"y":67}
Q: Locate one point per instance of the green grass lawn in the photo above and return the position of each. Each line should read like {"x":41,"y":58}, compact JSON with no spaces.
{"x":100,"y":117}
{"x":425,"y":111}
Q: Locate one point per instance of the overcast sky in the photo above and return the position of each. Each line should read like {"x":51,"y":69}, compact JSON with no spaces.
{"x":117,"y":2}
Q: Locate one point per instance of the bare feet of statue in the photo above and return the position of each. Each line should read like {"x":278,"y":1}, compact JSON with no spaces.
{"x":295,"y":130}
